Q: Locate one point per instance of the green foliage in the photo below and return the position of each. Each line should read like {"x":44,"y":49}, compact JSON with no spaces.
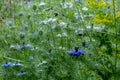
{"x":39,"y":34}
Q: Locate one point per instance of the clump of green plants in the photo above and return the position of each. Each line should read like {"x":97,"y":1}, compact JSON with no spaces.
{"x":59,"y":40}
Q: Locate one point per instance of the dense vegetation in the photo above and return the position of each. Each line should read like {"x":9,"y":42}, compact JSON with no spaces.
{"x":59,"y":40}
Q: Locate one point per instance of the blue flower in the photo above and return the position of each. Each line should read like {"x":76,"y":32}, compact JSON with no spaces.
{"x":9,"y":64}
{"x":5,"y":65}
{"x":31,"y":58}
{"x":76,"y":53}
{"x":24,"y":46}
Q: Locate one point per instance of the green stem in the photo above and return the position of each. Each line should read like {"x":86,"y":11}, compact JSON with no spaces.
{"x":12,"y":59}
{"x":115,"y":24}
{"x":87,"y":32}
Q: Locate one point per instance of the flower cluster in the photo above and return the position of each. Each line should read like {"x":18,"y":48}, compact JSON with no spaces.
{"x":21,"y":47}
{"x":11,"y":64}
{"x":101,"y":19}
{"x":100,"y":3}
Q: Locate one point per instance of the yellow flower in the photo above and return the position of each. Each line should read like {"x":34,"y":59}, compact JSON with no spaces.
{"x":106,"y":21}
{"x":99,"y":3}
{"x":92,"y":3}
{"x":101,"y":19}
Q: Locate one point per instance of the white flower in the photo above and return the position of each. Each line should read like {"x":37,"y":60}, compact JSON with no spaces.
{"x":98,"y":28}
{"x":85,"y":9}
{"x":88,"y":27}
{"x":52,"y":19}
{"x":44,"y":62}
{"x":49,"y":20}
{"x":12,"y":46}
{"x":35,"y":48}
{"x":42,"y":4}
{"x":68,"y":5}
{"x":59,"y":35}
{"x":62,"y":48}
{"x":44,"y":22}
{"x":63,"y":24}
{"x":28,"y":45}
{"x":79,"y":30}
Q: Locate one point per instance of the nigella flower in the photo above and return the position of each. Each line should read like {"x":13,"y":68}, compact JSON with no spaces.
{"x":19,"y":65}
{"x":9,"y":64}
{"x":63,"y":25}
{"x":26,"y":46}
{"x":12,"y":46}
{"x":31,"y":58}
{"x":76,"y":52}
{"x":44,"y":62}
{"x":85,"y":9}
{"x":68,"y":5}
{"x":62,"y":35}
{"x":52,"y":19}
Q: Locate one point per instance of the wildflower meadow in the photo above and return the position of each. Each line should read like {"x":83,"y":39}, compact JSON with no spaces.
{"x":59,"y":40}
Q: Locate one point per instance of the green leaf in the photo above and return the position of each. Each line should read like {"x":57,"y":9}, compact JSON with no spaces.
{"x":71,"y":14}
